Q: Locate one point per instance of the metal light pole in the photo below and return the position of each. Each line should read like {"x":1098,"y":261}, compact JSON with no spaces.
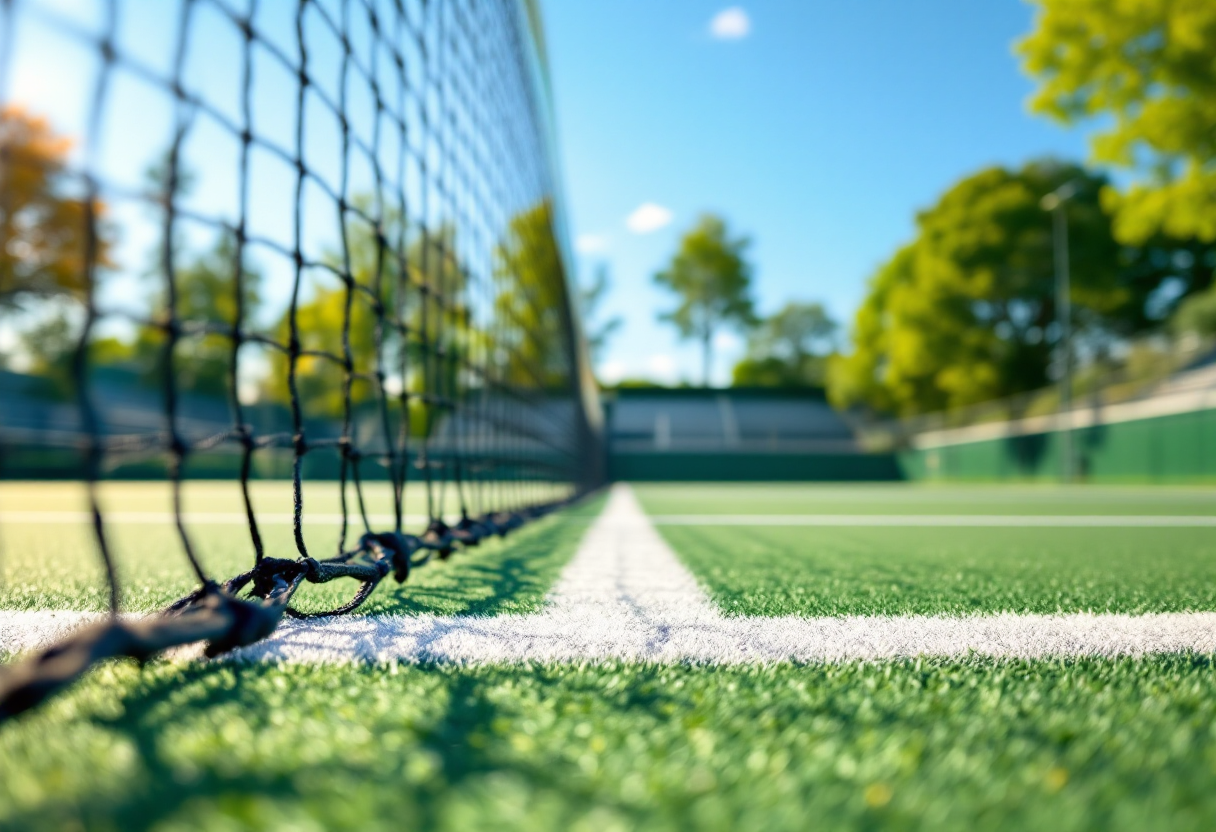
{"x":1054,"y":202}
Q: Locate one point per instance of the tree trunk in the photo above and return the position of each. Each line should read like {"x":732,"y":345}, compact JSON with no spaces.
{"x":706,"y":357}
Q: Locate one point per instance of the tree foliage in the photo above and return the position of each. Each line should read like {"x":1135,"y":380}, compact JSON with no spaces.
{"x":320,"y":379}
{"x":591,"y":298}
{"x":205,"y":313}
{"x":434,"y":330}
{"x":1196,"y":315}
{"x":43,"y":229}
{"x":789,"y":348}
{"x":1144,"y":71}
{"x":711,"y":276}
{"x":50,"y":344}
{"x":531,"y":307}
{"x":417,"y":335}
{"x":206,"y":310}
{"x":966,"y":313}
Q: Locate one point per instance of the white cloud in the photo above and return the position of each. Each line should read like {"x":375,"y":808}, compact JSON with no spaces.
{"x":591,"y":244}
{"x":730,"y":24}
{"x":662,"y":368}
{"x":648,"y":217}
{"x":612,"y":371}
{"x":727,"y":340}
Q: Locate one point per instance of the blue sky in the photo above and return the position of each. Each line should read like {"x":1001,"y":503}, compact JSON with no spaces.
{"x":818,"y":127}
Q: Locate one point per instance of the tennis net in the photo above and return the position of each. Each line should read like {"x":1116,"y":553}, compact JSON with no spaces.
{"x":321,"y":240}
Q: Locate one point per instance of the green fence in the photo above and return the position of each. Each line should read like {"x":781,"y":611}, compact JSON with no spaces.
{"x":737,"y":466}
{"x":1180,"y":448}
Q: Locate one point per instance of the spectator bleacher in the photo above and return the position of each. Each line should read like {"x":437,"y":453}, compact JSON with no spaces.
{"x":732,"y":433}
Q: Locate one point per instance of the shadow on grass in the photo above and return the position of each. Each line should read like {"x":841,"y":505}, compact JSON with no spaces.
{"x":158,"y":791}
{"x":514,"y":578}
{"x":510,"y":576}
{"x":467,"y":733}
{"x":227,"y":746}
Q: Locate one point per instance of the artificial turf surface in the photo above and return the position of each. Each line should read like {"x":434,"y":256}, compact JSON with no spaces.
{"x":901,"y":498}
{"x":944,"y":745}
{"x":949,"y":571}
{"x":55,"y":565}
{"x":928,"y":744}
{"x":873,"y":570}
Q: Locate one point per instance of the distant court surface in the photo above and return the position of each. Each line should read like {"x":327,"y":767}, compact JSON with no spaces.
{"x":49,"y":563}
{"x":756,"y":550}
{"x":710,"y":499}
{"x":926,"y":550}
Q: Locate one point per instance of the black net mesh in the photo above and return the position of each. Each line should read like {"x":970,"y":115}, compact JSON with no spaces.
{"x":319,"y":240}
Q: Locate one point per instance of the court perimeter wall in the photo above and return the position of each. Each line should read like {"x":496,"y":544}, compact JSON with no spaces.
{"x":742,"y":466}
{"x":1174,"y":447}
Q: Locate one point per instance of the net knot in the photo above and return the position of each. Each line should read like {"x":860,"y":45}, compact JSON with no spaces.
{"x":245,"y":436}
{"x":438,"y":538}
{"x":276,"y":574}
{"x":400,"y":549}
{"x":251,"y":622}
{"x":468,"y":531}
{"x":240,"y":622}
{"x":505,"y":521}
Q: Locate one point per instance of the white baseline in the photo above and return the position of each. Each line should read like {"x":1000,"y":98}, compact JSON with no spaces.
{"x":626,"y":596}
{"x":222,"y":518}
{"x":1020,"y":520}
{"x":203,"y":518}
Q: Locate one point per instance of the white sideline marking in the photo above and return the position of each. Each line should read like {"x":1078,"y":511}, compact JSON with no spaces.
{"x":1044,"y":520}
{"x":625,"y":595}
{"x":202,"y":518}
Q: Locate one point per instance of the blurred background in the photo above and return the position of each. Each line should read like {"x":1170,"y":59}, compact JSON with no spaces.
{"x":881,"y":240}
{"x":978,"y":239}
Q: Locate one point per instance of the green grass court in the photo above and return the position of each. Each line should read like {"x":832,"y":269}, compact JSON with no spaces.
{"x":922,"y":743}
{"x":860,"y":570}
{"x":49,"y":564}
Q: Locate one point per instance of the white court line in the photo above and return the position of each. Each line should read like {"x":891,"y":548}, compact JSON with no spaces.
{"x":202,"y":518}
{"x":1044,"y":520}
{"x":625,"y":595}
{"x":947,"y":520}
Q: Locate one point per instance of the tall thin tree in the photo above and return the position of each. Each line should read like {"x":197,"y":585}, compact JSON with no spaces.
{"x":711,"y":276}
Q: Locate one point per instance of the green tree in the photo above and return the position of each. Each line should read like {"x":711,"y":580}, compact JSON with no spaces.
{"x":711,"y":276}
{"x":789,"y":348}
{"x":532,"y":308}
{"x":863,"y":376}
{"x":639,"y":384}
{"x":320,"y":381}
{"x":1196,"y":315}
{"x":417,"y":337}
{"x":1143,"y":71}
{"x":206,"y":311}
{"x":51,"y":344}
{"x":966,"y":312}
{"x":590,"y":298}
